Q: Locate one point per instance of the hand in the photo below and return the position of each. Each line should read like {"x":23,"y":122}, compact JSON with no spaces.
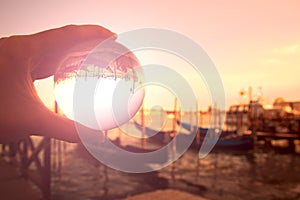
{"x":24,"y":59}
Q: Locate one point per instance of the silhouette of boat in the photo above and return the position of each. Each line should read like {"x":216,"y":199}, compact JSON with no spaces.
{"x":237,"y":143}
{"x":229,"y":141}
{"x":153,"y":136}
{"x":204,"y":131}
{"x":114,"y":152}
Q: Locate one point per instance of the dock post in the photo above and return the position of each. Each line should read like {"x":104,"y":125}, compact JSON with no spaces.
{"x":143,"y":139}
{"x":292,"y":147}
{"x":47,"y":169}
{"x":198,"y":124}
{"x":191,"y":120}
{"x":253,"y":118}
{"x":174,"y":133}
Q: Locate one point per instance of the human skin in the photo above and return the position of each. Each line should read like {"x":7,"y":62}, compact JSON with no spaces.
{"x":26,"y":58}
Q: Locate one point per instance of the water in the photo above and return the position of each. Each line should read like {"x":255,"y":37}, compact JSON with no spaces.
{"x":263,"y":175}
{"x":218,"y":176}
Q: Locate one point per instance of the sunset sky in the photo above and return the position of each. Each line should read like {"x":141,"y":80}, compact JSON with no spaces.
{"x":252,"y":43}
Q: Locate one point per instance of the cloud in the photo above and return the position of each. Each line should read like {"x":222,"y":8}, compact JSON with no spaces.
{"x":283,"y":55}
{"x":287,"y":50}
{"x":272,"y":61}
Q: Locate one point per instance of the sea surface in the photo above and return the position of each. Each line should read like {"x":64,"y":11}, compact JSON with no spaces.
{"x":267,"y":173}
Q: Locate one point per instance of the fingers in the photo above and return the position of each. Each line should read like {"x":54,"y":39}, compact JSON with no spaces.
{"x":53,"y":46}
{"x":23,"y":114}
{"x":24,"y":59}
{"x":41,"y":53}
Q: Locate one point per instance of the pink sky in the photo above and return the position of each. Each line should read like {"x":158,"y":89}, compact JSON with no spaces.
{"x":253,"y":43}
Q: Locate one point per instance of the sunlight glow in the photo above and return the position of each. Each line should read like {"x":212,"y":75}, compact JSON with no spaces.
{"x":104,"y":112}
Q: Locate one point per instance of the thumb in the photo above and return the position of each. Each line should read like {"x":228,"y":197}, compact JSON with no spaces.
{"x":24,"y":59}
{"x":50,"y":48}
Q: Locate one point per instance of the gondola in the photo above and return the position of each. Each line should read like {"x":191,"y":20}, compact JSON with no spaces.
{"x":236,"y":144}
{"x":204,"y":131}
{"x":229,"y":141}
{"x":153,"y":136}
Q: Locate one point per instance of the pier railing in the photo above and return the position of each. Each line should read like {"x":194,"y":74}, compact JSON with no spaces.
{"x":34,"y":161}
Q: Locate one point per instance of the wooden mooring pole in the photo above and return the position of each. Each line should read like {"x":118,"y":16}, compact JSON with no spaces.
{"x":143,"y":139}
{"x":26,"y":155}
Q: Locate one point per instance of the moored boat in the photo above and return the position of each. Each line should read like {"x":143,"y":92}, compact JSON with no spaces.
{"x":204,"y":131}
{"x":229,"y":142}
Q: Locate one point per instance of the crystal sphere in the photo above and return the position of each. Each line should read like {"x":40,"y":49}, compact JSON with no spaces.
{"x":100,"y":89}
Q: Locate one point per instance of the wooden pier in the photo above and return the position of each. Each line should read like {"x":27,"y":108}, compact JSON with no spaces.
{"x":33,"y":160}
{"x":258,"y":122}
{"x":277,"y":136}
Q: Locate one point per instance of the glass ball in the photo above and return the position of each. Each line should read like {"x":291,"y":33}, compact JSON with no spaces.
{"x":101,"y":89}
